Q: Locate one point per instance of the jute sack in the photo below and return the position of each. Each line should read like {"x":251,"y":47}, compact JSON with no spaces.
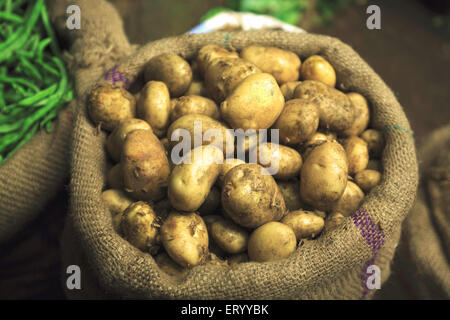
{"x":332,"y":267}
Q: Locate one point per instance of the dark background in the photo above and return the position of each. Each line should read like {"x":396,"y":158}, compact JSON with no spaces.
{"x":410,"y":53}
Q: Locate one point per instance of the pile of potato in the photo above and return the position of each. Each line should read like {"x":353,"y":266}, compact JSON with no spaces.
{"x":218,"y":208}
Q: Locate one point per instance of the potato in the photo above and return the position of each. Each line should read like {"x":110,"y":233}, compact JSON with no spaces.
{"x":207,"y":126}
{"x":194,"y":105}
{"x":237,"y":258}
{"x":357,"y":154}
{"x":108,"y":106}
{"x":138,"y":226}
{"x":333,"y":220}
{"x":324,"y":175}
{"x":165,"y":143}
{"x":263,"y":102}
{"x":291,"y":196}
{"x":185,"y":238}
{"x":305,"y":224}
{"x":114,"y":177}
{"x":197,"y":88}
{"x":114,"y":142}
{"x":284,"y":65}
{"x":154,"y":106}
{"x":350,"y":200}
{"x":284,"y":162}
{"x":212,"y":202}
{"x":171,"y":69}
{"x":336,"y":111}
{"x":375,"y":142}
{"x":288,"y":88}
{"x":229,"y":236}
{"x":227,"y":165}
{"x":191,"y":181}
{"x":367,"y":179}
{"x":298,"y":121}
{"x":166,"y":264}
{"x":210,"y":219}
{"x":362,"y":114}
{"x":116,"y":200}
{"x":162,"y":209}
{"x":329,"y":134}
{"x":223,"y":75}
{"x":211,"y":52}
{"x":251,"y":198}
{"x":319,"y":69}
{"x":271,"y":241}
{"x":145,"y":165}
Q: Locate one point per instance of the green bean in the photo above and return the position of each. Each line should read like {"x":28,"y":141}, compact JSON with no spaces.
{"x":10,"y":17}
{"x":41,"y":47}
{"x":19,"y":80}
{"x":7,"y":127}
{"x":48,"y":28}
{"x":28,"y":67}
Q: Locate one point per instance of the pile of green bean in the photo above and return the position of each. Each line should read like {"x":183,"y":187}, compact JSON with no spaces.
{"x":34,"y":85}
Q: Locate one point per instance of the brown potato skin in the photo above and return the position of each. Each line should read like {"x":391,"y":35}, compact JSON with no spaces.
{"x":250,"y":198}
{"x":284,"y":65}
{"x":323,"y":177}
{"x":336,"y":111}
{"x":367,"y":179}
{"x":289,"y":160}
{"x":154,"y":107}
{"x":212,"y":52}
{"x":305,"y":224}
{"x":108,"y":106}
{"x":362,"y":114}
{"x":298,"y":121}
{"x":375,"y":142}
{"x":357,"y":154}
{"x":288,"y":89}
{"x":194,"y":105}
{"x":263,"y":101}
{"x":350,"y":200}
{"x":171,"y":69}
{"x":145,"y":165}
{"x":289,"y":190}
{"x":229,"y":236}
{"x":319,"y":69}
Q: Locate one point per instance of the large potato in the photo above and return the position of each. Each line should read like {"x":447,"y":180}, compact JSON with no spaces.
{"x":336,"y":111}
{"x":305,"y":224}
{"x":255,"y":103}
{"x":229,"y":236}
{"x":319,"y":69}
{"x":324,"y":175}
{"x":357,"y":154}
{"x":114,"y":142}
{"x":227,"y":165}
{"x":223,"y":75}
{"x":291,"y":195}
{"x":250,"y":197}
{"x":171,"y":69}
{"x":108,"y":106}
{"x":272,"y":241}
{"x":185,"y":238}
{"x":194,"y":105}
{"x":288,"y":88}
{"x":350,"y":200}
{"x":298,"y":121}
{"x":211,"y":52}
{"x":375,"y":142}
{"x":284,"y":162}
{"x":145,"y":165}
{"x":367,"y":179}
{"x":191,"y":181}
{"x":284,"y":65}
{"x":154,"y":107}
{"x":362,"y":114}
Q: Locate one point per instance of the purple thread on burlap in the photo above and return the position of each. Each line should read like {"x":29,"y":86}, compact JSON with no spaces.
{"x":374,"y":238}
{"x":116,"y":76}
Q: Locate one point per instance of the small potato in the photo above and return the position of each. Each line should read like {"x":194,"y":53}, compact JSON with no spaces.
{"x":223,"y":75}
{"x":211,"y":52}
{"x":210,"y":219}
{"x":108,"y":106}
{"x":227,"y":165}
{"x":316,"y":139}
{"x":298,"y":121}
{"x":115,"y":141}
{"x":229,"y":236}
{"x":336,"y":111}
{"x":237,"y":258}
{"x":288,"y":89}
{"x":154,"y":107}
{"x":114,"y":177}
{"x":194,"y":105}
{"x":263,"y":102}
{"x":362,"y":114}
{"x":357,"y":154}
{"x":251,"y":198}
{"x":367,"y":179}
{"x":350,"y":200}
{"x":271,"y":241}
{"x":284,"y":65}
{"x":185,"y":238}
{"x":324,"y":175}
{"x":197,"y":88}
{"x":145,"y":165}
{"x":319,"y":69}
{"x":212,"y":202}
{"x":116,"y":200}
{"x":138,"y":226}
{"x":291,"y":195}
{"x":305,"y":224}
{"x":166,"y":264}
{"x":375,"y":142}
{"x":333,"y":220}
{"x":171,"y":69}
{"x":284,"y":162}
{"x":191,"y":181}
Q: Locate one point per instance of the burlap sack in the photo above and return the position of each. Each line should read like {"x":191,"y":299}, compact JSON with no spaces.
{"x":334,"y":266}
